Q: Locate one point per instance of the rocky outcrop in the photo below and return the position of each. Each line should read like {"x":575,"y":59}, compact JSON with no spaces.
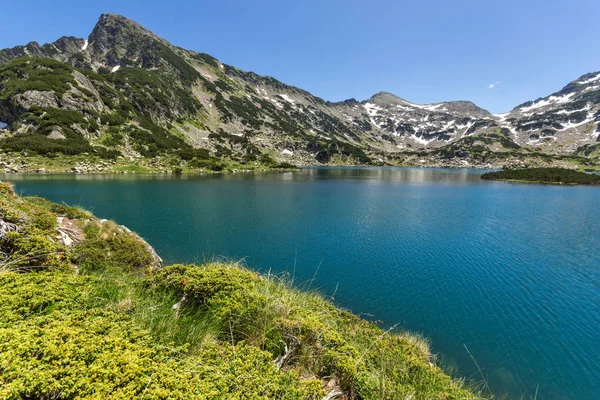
{"x":33,"y":98}
{"x":6,"y":227}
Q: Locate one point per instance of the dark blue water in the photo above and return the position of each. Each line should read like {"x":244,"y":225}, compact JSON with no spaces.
{"x":511,"y":271}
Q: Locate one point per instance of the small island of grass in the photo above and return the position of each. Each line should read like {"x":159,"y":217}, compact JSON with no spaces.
{"x":556,"y":176}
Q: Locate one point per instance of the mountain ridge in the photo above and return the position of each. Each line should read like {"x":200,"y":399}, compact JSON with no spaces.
{"x":162,"y":99}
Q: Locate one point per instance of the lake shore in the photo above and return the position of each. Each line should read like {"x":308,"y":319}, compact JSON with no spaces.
{"x":84,"y":164}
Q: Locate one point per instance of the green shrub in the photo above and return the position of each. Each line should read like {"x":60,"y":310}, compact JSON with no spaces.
{"x":60,"y":209}
{"x":37,"y":143}
{"x":34,"y":245}
{"x":42,"y":74}
{"x":107,"y":246}
{"x":326,"y":341}
{"x":545,"y":175}
{"x":53,"y":345}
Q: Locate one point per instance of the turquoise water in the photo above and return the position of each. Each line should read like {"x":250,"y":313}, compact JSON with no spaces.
{"x":511,"y":271}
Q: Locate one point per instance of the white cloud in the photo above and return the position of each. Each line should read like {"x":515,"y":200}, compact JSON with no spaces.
{"x":493,"y":85}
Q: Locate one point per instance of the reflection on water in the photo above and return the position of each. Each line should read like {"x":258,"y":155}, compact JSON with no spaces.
{"x":511,"y":271}
{"x":320,"y":173}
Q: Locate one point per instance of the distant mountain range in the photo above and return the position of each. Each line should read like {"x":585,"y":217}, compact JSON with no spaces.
{"x":126,"y":92}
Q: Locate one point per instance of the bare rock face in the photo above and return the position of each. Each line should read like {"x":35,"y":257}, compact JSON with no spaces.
{"x":117,"y":41}
{"x":56,"y":134}
{"x":36,"y":98}
{"x":84,"y":82}
{"x":6,"y":227}
{"x":62,"y":49}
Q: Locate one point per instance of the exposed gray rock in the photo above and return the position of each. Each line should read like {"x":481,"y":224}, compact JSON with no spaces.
{"x":6,"y":227}
{"x":56,"y":134}
{"x":35,"y":98}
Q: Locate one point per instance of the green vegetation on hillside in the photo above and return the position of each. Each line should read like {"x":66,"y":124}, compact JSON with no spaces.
{"x":480,"y":147}
{"x":98,"y":318}
{"x":544,"y":175}
{"x":41,"y":74}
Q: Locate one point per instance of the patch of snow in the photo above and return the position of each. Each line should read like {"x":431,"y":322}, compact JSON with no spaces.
{"x":421,"y":140}
{"x":287,"y":152}
{"x":115,"y":69}
{"x":593,"y":79}
{"x":427,"y":107}
{"x":221,"y":66}
{"x":566,"y":112}
{"x":501,"y":116}
{"x":372,"y":109}
{"x":551,"y":100}
{"x":3,"y":125}
{"x":466,"y":126}
{"x":511,"y":128}
{"x":85,"y":45}
{"x":571,"y":125}
{"x":287,"y":98}
{"x":278,"y":104}
{"x":257,"y":90}
{"x":448,"y":125}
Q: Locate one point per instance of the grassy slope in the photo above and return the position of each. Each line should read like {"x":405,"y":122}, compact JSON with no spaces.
{"x":96,"y":320}
{"x":544,"y":175}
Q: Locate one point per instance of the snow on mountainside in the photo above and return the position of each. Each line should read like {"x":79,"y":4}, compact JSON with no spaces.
{"x":408,"y":125}
{"x":561,"y":122}
{"x":144,"y":96}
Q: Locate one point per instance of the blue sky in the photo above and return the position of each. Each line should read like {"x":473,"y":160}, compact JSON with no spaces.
{"x":423,"y":51}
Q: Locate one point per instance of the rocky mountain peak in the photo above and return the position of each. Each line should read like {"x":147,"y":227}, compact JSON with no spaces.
{"x":113,"y":26}
{"x":116,"y":40}
{"x":465,"y":108}
{"x":386,"y":98}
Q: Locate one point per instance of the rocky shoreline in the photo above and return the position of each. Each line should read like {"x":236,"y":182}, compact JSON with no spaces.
{"x":19,"y":163}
